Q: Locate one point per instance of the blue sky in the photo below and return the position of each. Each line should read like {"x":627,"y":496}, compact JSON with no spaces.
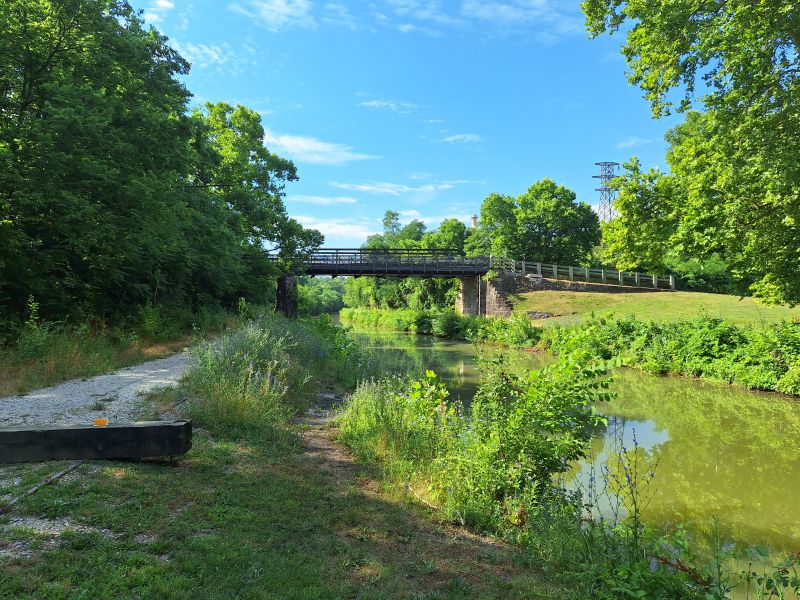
{"x":420,"y":107}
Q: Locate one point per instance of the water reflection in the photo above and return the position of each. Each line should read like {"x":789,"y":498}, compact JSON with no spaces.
{"x":720,"y":451}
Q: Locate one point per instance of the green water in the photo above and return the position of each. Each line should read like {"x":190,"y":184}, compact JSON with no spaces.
{"x":720,"y":454}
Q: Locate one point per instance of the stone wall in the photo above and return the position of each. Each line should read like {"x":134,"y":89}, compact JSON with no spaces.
{"x":519,"y":284}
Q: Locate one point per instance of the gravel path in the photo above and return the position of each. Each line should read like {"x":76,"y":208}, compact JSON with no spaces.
{"x":114,"y":396}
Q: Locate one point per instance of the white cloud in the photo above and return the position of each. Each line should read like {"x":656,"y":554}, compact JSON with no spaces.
{"x":204,"y":55}
{"x":632,"y":142}
{"x":321,"y":200}
{"x":351,"y":231}
{"x":428,"y":10}
{"x":462,"y":138}
{"x":274,"y":15}
{"x":547,"y":15}
{"x":392,"y":105}
{"x":339,"y":15}
{"x":308,"y":149}
{"x":433,"y":121}
{"x":156,"y":11}
{"x":392,"y":189}
{"x":543,"y":21}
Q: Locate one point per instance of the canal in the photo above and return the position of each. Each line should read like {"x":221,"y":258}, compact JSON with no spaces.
{"x":726,"y":461}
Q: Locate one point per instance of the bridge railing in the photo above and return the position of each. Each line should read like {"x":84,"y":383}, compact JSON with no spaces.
{"x":392,"y":257}
{"x":426,"y":261}
{"x":585,"y":274}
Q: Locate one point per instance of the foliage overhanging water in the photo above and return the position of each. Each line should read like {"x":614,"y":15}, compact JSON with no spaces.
{"x":722,"y":452}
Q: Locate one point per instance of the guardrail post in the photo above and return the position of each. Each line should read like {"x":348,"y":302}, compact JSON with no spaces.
{"x":539,"y":269}
{"x":571,"y":274}
{"x":603,"y":275}
{"x":636,"y":278}
{"x":490,"y":262}
{"x":586,"y":274}
{"x":621,"y":277}
{"x":672,"y":282}
{"x":555,"y":271}
{"x":655,"y":281}
{"x":523,"y":267}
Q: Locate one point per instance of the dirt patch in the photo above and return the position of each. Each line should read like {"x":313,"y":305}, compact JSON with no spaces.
{"x":432,"y":554}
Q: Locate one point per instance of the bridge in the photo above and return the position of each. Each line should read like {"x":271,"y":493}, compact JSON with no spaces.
{"x":476,"y":296}
{"x":397,"y":262}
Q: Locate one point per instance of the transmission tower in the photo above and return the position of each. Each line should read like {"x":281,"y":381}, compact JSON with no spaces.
{"x":608,"y":170}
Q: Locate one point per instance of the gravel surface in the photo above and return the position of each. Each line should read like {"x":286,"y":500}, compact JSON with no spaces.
{"x":114,"y":396}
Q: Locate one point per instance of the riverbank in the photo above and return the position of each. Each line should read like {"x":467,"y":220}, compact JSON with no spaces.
{"x":265,"y":505}
{"x":760,"y":358}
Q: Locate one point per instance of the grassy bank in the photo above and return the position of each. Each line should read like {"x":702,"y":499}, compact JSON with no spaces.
{"x":40,"y":353}
{"x":765,"y":357}
{"x":492,"y":468}
{"x":572,"y":307}
{"x":247,"y":513}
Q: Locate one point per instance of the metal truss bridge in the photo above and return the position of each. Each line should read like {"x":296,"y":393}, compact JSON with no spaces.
{"x":394,"y":262}
{"x":419,"y":262}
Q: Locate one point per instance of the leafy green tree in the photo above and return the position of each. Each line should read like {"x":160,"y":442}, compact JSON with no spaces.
{"x":737,"y":166}
{"x":546,"y":224}
{"x":111,"y":196}
{"x":411,"y":292}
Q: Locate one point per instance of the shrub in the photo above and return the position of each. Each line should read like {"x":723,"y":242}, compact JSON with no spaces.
{"x":257,"y":377}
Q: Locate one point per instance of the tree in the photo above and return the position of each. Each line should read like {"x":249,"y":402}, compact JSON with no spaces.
{"x":111,"y":196}
{"x":738,"y":164}
{"x":546,"y":224}
{"x":411,"y":292}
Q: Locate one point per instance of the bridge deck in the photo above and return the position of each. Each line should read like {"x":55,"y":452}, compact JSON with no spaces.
{"x":395,"y":263}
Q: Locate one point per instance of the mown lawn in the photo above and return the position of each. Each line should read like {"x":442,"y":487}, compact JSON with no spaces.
{"x":570,"y":307}
{"x":238,"y":519}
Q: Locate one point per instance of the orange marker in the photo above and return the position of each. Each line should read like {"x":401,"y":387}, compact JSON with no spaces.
{"x":100,"y":422}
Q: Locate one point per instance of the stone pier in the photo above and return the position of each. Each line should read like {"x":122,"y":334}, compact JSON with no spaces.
{"x":286,"y":297}
{"x":479,"y":297}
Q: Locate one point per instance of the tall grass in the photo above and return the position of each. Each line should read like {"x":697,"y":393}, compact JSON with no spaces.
{"x":493,"y":469}
{"x":39,"y":353}
{"x":257,"y":377}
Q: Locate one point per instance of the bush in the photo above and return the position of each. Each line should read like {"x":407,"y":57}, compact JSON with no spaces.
{"x":257,"y":377}
{"x":759,"y":358}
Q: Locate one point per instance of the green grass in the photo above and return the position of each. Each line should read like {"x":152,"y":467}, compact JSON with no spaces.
{"x":571,"y":307}
{"x":239,"y":519}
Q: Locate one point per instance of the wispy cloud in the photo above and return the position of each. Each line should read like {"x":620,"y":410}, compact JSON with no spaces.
{"x":350,"y":231}
{"x":547,"y":16}
{"x":339,"y":15}
{"x":321,"y":200}
{"x":543,"y":21}
{"x":156,"y":11}
{"x":393,"y":189}
{"x":632,"y":142}
{"x":275,"y":15}
{"x":433,"y":121}
{"x":205,"y":55}
{"x":463,"y":138}
{"x":306,"y":149}
{"x":392,"y":105}
{"x":429,"y":11}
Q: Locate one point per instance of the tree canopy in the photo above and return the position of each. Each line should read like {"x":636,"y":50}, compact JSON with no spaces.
{"x":734,"y":182}
{"x":544,"y":224}
{"x":411,"y":292}
{"x":112,"y":195}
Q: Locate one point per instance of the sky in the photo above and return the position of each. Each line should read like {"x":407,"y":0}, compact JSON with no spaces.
{"x":420,"y":107}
